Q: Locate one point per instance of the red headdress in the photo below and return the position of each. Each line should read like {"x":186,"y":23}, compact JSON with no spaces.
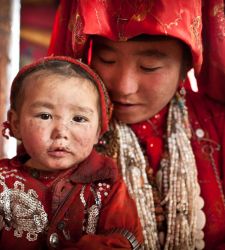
{"x":120,"y":20}
{"x":106,"y":106}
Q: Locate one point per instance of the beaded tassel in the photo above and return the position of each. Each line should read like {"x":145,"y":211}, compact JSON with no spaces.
{"x":183,"y":184}
{"x":133,"y":167}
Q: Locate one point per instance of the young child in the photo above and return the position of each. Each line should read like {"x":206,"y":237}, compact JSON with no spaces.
{"x":58,"y":192}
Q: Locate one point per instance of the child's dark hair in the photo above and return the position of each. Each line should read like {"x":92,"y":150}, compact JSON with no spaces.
{"x":63,"y":68}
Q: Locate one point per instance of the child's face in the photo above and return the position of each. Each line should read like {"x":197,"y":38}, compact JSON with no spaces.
{"x":58,"y":121}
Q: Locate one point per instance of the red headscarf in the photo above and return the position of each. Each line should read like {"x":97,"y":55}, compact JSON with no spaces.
{"x":123,"y":19}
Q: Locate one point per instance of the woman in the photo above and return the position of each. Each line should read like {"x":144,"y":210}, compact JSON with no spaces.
{"x":171,"y":152}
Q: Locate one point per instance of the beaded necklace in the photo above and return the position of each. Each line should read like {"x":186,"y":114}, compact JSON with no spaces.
{"x":176,"y":180}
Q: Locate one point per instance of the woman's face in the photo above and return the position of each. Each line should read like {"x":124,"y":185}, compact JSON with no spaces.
{"x":141,"y":76}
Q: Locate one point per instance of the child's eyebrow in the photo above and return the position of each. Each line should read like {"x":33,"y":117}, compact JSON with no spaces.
{"x":84,"y":109}
{"x":48,"y":105}
{"x":42,"y":104}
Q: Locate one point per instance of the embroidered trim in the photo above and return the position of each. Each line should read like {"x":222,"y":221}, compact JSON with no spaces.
{"x":92,"y":213}
{"x":90,"y":224}
{"x":128,"y":235}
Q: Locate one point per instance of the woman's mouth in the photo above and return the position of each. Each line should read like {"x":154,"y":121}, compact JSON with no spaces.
{"x":120,"y":106}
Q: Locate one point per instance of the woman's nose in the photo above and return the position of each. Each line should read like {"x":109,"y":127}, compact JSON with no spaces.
{"x":125,"y":82}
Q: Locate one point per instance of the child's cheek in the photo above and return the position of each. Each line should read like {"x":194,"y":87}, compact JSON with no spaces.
{"x":37,"y":125}
{"x":87,"y":138}
{"x":34,"y":131}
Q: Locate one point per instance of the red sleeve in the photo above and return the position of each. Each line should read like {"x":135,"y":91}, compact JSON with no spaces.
{"x":118,"y":212}
{"x":221,"y":247}
{"x":209,"y":155}
{"x":217,"y":112}
{"x":101,"y":242}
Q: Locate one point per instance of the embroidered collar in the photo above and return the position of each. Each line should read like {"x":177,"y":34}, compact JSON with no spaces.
{"x":96,"y":167}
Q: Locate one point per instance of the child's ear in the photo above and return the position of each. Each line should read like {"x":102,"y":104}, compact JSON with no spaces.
{"x":13,"y":119}
{"x":98,"y":135}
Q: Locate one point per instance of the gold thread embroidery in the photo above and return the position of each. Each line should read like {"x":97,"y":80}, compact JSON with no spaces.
{"x":175,"y":22}
{"x":218,"y":9}
{"x":76,"y":26}
{"x":218,"y":13}
{"x":139,"y":10}
{"x":144,"y":7}
{"x":98,"y":19}
{"x":195,"y":30}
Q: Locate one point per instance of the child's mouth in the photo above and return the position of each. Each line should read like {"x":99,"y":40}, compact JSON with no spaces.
{"x":59,"y":152}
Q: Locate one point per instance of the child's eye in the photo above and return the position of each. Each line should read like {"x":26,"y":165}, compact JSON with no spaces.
{"x":44,"y":116}
{"x":79,"y":119}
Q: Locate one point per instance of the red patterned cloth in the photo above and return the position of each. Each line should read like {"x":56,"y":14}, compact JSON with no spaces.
{"x":212,"y":76}
{"x":33,"y":195}
{"x":121,"y":20}
{"x":150,"y":134}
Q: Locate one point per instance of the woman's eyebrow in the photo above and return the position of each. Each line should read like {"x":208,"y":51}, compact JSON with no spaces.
{"x":102,"y":46}
{"x":151,"y":53}
{"x":145,"y":52}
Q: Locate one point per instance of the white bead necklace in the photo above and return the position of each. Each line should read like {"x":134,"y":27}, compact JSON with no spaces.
{"x":177,"y":180}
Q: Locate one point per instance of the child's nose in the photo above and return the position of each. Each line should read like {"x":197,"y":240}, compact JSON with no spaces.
{"x":60,"y":131}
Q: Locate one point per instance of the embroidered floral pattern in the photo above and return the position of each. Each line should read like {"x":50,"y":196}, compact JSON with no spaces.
{"x":195,"y":30}
{"x":175,"y":22}
{"x":218,"y":13}
{"x":76,"y":27}
{"x":21,"y":211}
{"x":143,"y":7}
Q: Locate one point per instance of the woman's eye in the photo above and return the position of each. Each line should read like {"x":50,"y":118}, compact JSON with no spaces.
{"x":106,"y":61}
{"x":149,"y":69}
{"x":79,"y":119}
{"x":44,"y":116}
